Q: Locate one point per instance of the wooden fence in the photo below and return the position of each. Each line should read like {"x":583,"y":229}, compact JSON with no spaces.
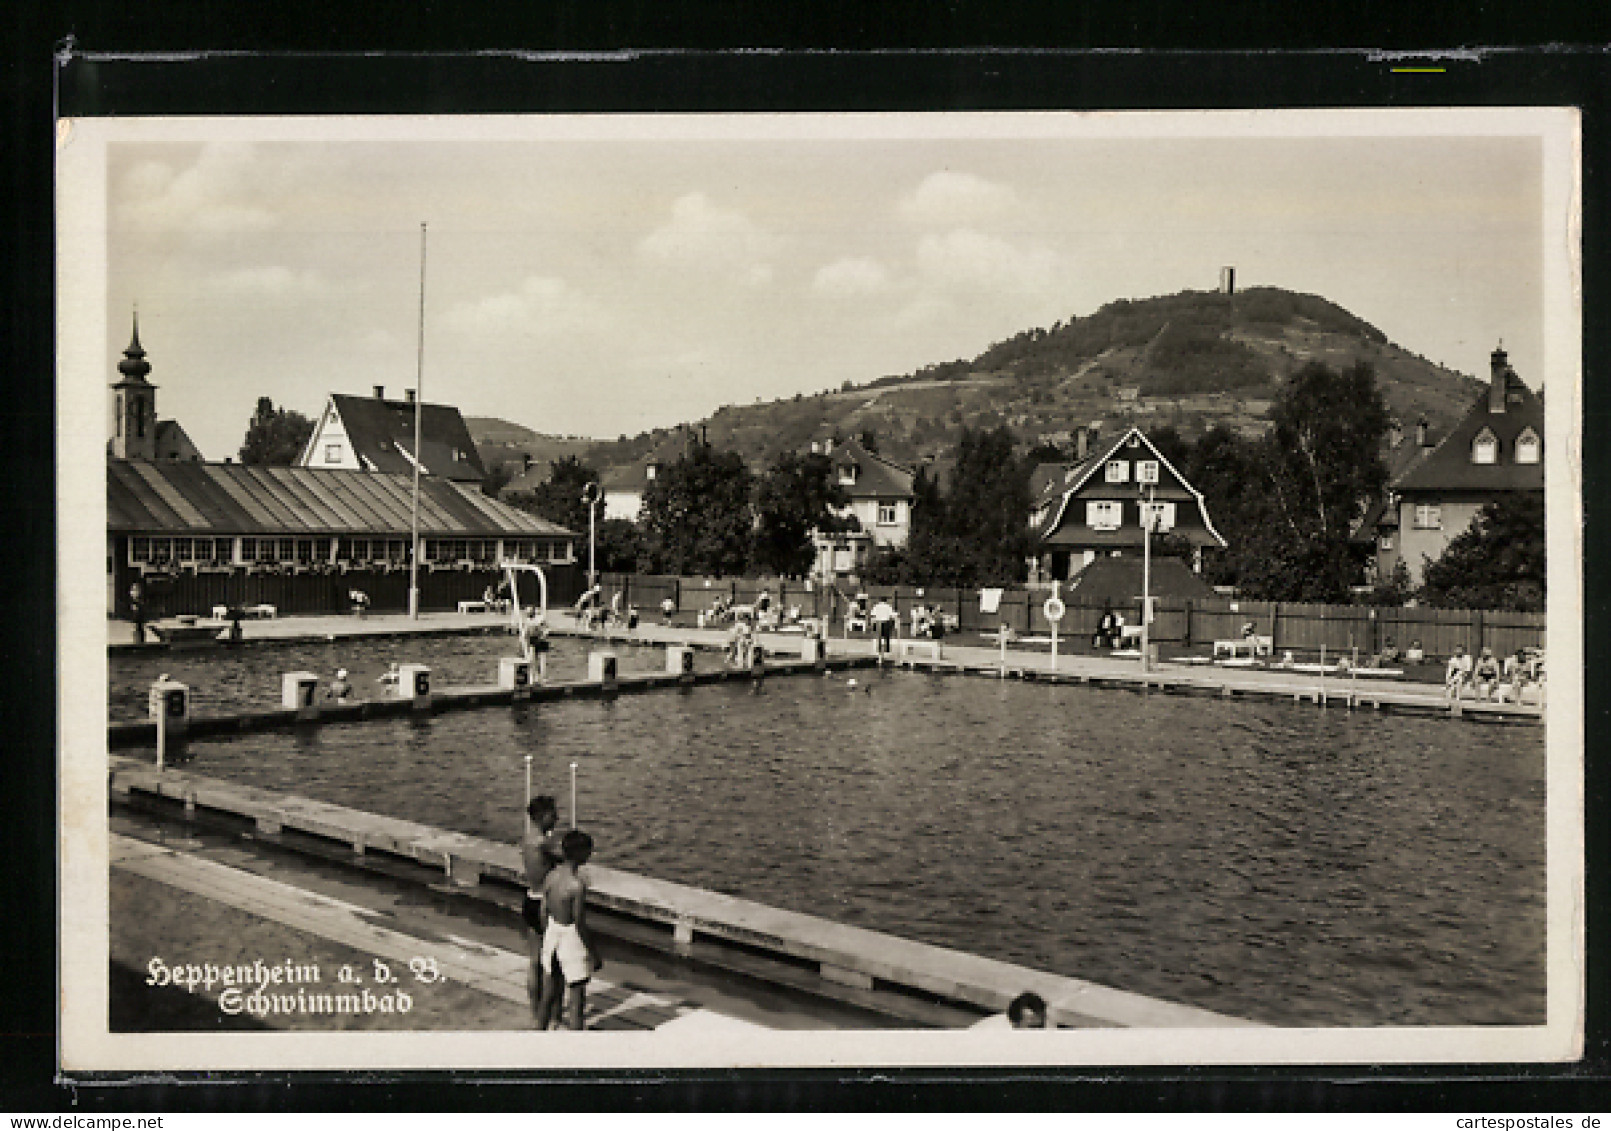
{"x":1302,"y":628}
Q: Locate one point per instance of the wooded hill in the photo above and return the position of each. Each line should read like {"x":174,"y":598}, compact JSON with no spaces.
{"x":1191,"y":360}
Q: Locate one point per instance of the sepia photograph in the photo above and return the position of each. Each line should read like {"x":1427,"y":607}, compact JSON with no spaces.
{"x":824,"y":590}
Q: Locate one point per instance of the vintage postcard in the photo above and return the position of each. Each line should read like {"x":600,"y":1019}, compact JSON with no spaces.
{"x":1047,"y":589}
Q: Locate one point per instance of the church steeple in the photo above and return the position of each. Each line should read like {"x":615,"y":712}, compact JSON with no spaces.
{"x":134,"y":425}
{"x":134,"y":366}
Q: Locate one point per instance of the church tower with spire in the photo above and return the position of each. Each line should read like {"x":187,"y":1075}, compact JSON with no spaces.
{"x":134,"y":425}
{"x":136,"y":431}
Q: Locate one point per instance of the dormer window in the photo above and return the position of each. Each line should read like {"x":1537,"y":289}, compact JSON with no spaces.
{"x":1527,"y":446}
{"x":847,"y":474}
{"x":1485,"y":448}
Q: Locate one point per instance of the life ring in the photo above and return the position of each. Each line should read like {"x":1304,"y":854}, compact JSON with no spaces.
{"x":1053,"y":608}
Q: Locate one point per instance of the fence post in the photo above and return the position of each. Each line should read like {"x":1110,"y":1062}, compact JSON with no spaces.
{"x":1275,"y":620}
{"x":1477,"y":632}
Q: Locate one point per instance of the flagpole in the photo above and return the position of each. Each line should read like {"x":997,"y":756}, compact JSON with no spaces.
{"x":419,"y":404}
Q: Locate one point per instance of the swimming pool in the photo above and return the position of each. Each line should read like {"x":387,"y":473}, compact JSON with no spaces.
{"x":1275,"y":861}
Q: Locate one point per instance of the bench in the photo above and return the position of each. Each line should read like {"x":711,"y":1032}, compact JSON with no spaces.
{"x":262,"y":612}
{"x":472,"y":606}
{"x":1252,"y":645}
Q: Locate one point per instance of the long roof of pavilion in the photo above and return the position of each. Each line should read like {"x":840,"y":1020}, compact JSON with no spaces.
{"x":156,"y":496}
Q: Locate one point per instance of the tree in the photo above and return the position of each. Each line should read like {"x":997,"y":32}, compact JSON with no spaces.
{"x":797,"y":495}
{"x":1325,"y":450}
{"x":1170,"y":445}
{"x":1497,"y":563}
{"x":696,"y":514}
{"x":276,"y":436}
{"x":977,"y":533}
{"x":559,"y":497}
{"x":1287,"y":503}
{"x":620,"y":546}
{"x":497,"y":479}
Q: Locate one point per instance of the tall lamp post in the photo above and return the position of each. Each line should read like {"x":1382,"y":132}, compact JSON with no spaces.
{"x":1149,"y":516}
{"x":590,"y":496}
{"x":419,"y":403}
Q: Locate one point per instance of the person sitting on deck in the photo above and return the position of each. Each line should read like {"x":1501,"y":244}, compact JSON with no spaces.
{"x":1485,"y":676}
{"x":360,"y":602}
{"x":1457,"y":674}
{"x":1389,"y":654}
{"x":920,"y":621}
{"x":1103,"y":636}
{"x":1510,"y":680}
{"x":390,"y":678}
{"x":667,"y":608}
{"x":1415,"y":653}
{"x":339,"y":690}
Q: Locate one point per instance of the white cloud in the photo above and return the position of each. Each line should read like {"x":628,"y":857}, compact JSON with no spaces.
{"x":945,"y":199}
{"x":968,"y":260}
{"x":925,"y":311}
{"x":702,"y":236}
{"x":225,"y":191}
{"x":856,"y":275}
{"x":542,"y":305}
{"x":272,"y":282}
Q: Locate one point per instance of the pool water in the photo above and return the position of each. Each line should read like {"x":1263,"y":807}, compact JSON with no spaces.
{"x":1280,"y":862}
{"x":223,"y":680}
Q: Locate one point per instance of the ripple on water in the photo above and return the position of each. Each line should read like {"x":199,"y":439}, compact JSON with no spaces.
{"x":1261,"y":859}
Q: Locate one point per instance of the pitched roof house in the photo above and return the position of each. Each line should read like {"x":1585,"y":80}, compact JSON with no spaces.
{"x":1096,"y":507}
{"x":1497,"y":449}
{"x":375,"y":434}
{"x":880,"y":492}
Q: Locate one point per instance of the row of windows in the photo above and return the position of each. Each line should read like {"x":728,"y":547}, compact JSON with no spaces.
{"x":1118,"y":471}
{"x":184,"y":550}
{"x":1109,"y":515}
{"x":1485,"y":447}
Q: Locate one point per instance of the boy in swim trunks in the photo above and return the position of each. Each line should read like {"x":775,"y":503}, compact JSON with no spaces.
{"x":568,"y":950}
{"x":540,"y":850}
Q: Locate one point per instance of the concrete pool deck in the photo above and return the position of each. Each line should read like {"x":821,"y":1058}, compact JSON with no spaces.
{"x":951,"y":655}
{"x":835,"y":965}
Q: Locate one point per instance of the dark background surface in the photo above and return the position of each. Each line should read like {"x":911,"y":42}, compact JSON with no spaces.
{"x":947,"y":72}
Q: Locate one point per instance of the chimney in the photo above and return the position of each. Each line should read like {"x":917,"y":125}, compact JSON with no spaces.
{"x":380,"y":392}
{"x":1422,"y":433}
{"x":408,"y":395}
{"x":1227,"y":280}
{"x":1082,"y":443}
{"x":816,"y":448}
{"x":1499,"y":362}
{"x":827,"y":446}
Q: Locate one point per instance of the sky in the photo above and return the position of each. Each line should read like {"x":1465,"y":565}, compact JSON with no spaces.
{"x":600,"y":280}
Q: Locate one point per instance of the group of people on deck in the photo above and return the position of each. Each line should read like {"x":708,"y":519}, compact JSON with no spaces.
{"x":1488,"y":679}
